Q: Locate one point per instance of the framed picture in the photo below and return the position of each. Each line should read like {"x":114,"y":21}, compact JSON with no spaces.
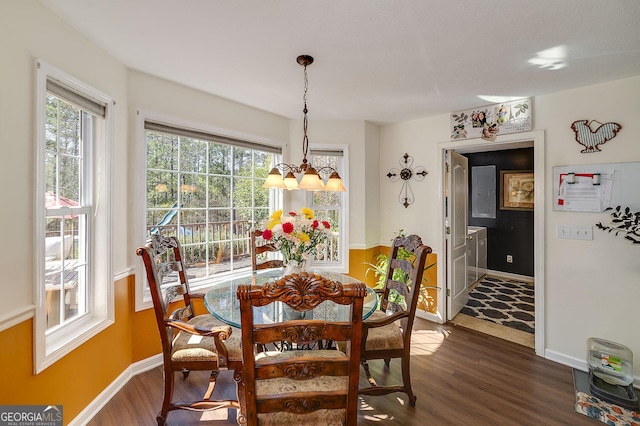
{"x":516,"y":190}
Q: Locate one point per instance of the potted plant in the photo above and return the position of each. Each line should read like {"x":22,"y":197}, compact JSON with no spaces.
{"x":396,"y":300}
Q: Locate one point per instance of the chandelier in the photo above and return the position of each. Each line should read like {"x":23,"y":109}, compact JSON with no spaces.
{"x":311,"y":179}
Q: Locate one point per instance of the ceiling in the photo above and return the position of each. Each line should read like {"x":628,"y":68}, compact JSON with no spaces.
{"x":383,"y":61}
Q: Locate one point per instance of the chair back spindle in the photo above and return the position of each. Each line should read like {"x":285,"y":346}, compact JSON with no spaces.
{"x":260,"y":250}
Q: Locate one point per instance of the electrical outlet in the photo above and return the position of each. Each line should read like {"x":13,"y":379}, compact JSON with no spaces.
{"x":509,"y":258}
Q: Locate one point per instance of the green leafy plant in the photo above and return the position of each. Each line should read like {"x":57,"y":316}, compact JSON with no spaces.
{"x":380,"y":269}
{"x":623,"y":222}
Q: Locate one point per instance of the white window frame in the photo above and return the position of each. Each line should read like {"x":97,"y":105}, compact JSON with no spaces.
{"x":343,"y":264}
{"x":142,"y":299}
{"x":51,"y":346}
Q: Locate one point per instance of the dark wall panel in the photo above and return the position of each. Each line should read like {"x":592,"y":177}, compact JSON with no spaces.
{"x":511,"y":232}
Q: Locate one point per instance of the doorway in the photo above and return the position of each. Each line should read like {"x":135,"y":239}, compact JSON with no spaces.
{"x":535,"y":139}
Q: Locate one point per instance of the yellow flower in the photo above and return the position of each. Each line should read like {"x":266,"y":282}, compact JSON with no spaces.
{"x":307,"y":212}
{"x":304,"y":237}
{"x":272,"y":223}
{"x":276,"y":215}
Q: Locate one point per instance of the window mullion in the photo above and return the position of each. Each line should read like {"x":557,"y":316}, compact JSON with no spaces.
{"x":63,"y":271}
{"x":58,"y":147}
{"x":229,"y":236}
{"x":207,"y":225}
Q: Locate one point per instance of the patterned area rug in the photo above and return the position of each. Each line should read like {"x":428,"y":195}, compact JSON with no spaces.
{"x":503,"y":301}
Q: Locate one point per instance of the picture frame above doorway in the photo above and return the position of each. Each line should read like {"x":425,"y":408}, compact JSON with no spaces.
{"x":516,"y":189}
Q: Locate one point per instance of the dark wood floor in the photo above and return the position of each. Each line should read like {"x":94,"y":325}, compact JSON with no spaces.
{"x":460,"y":376}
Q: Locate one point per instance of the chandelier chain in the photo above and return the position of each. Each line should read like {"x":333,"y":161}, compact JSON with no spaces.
{"x":282,"y":175}
{"x":305,"y":138}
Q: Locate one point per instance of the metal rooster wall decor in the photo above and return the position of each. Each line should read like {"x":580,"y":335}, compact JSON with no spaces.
{"x":405,"y":174}
{"x":591,"y":140}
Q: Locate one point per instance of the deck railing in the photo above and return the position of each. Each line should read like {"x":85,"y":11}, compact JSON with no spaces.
{"x":220,"y":242}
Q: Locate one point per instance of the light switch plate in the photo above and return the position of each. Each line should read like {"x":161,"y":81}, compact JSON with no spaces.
{"x":575,"y":232}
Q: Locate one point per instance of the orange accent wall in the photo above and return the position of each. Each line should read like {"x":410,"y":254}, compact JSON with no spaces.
{"x":77,"y":379}
{"x":430,"y":278}
{"x":358,"y":269}
{"x":145,"y":339}
{"x":358,"y":260}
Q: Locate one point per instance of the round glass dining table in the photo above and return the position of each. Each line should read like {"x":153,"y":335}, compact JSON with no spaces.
{"x":222,"y":303}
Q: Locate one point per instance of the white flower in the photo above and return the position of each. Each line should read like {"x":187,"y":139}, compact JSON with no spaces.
{"x":304,"y":238}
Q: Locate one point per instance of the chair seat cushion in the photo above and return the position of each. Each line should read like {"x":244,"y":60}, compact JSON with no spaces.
{"x":191,"y":347}
{"x":386,"y":337}
{"x":318,"y":384}
{"x":317,"y":418}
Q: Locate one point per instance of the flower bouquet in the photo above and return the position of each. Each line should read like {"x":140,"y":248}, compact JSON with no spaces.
{"x":298,"y":236}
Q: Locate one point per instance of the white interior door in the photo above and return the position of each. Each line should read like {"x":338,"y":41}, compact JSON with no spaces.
{"x":458,"y":185}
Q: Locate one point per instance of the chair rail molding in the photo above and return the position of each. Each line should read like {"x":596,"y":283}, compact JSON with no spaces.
{"x":15,"y":317}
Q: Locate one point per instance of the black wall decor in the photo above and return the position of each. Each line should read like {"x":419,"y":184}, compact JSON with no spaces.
{"x":406,"y":173}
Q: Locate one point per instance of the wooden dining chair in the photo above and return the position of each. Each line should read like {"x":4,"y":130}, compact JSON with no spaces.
{"x":298,"y":387}
{"x":189,"y":342}
{"x":386,"y":334}
{"x":259,"y":252}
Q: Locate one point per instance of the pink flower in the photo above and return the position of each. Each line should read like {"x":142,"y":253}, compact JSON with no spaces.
{"x":315,"y":224}
{"x":287,"y":227}
{"x":326,"y":224}
{"x":267,"y":234}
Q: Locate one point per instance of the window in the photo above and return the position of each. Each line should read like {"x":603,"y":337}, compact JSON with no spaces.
{"x":73,"y":291}
{"x":206,"y":189}
{"x":331,"y":206}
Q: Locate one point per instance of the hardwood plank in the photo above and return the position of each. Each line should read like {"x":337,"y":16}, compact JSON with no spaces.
{"x":460,"y":376}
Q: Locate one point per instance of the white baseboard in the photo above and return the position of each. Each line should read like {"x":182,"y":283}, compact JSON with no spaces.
{"x":510,"y":276}
{"x":563,"y":359}
{"x":429,"y":316}
{"x":578,"y":364}
{"x":110,"y":391}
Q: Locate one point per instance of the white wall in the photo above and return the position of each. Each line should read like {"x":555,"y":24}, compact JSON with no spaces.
{"x":357,"y":135}
{"x":372,"y":173}
{"x":419,"y":139}
{"x":592,"y":288}
{"x":161,"y":96}
{"x":29,"y":31}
